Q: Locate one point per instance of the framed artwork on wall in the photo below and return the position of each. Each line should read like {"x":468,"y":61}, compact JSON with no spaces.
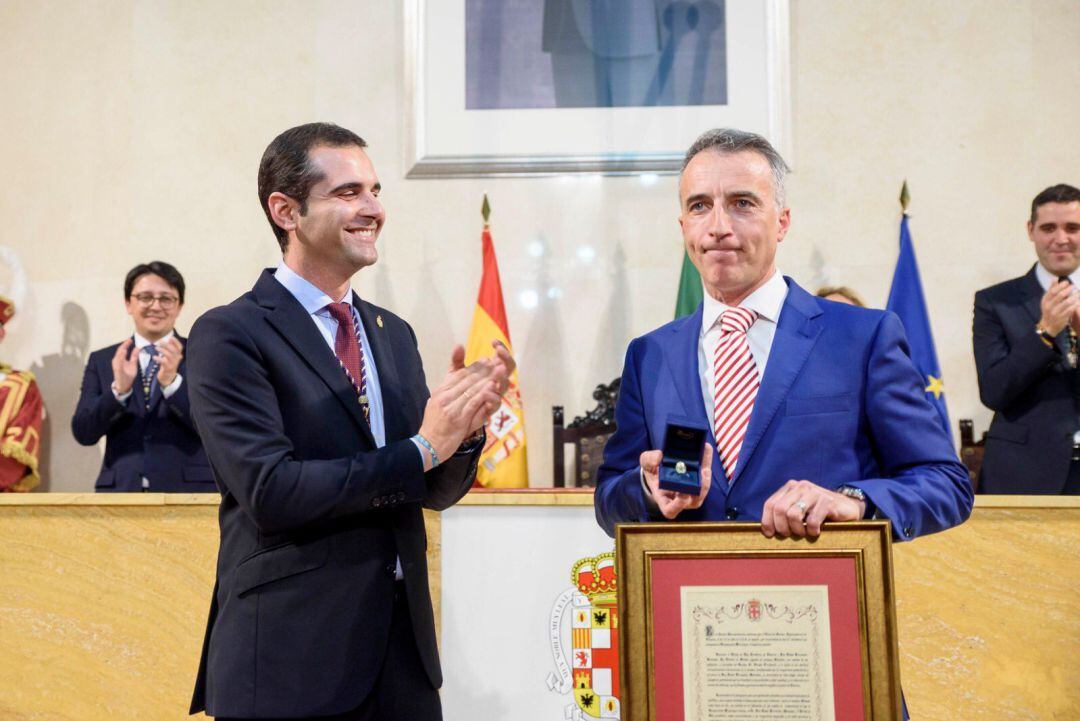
{"x":527,"y":87}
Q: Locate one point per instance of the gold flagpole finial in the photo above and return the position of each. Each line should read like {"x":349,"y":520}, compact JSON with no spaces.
{"x":905,"y":197}
{"x":485,"y":209}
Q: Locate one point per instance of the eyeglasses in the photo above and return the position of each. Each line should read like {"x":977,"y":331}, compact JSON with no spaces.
{"x":167,"y":302}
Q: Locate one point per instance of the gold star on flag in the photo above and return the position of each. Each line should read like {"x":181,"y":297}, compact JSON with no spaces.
{"x":935,"y":386}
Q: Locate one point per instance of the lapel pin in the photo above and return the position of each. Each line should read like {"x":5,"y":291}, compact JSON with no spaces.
{"x":378,"y":320}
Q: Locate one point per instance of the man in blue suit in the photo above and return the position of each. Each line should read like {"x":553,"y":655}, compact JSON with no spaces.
{"x":820,"y":414}
{"x":134,"y":393}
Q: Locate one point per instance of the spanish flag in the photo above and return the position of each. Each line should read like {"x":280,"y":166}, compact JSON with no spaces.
{"x":503,"y":462}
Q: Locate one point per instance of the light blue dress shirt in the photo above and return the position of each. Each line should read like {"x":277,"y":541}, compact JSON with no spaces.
{"x":315,"y":302}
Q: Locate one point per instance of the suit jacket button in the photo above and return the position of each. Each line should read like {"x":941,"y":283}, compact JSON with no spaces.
{"x":909,"y":531}
{"x":391,"y":570}
{"x":732,"y":513}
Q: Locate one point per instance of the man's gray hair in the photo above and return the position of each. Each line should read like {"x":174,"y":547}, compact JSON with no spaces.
{"x":729,"y":140}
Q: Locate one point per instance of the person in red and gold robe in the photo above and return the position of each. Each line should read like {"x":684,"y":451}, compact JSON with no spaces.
{"x":20,"y":420}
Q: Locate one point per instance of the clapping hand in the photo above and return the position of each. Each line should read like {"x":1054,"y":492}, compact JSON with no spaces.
{"x":125,"y":366}
{"x":465,"y":399}
{"x":1059,"y":306}
{"x":169,"y":354}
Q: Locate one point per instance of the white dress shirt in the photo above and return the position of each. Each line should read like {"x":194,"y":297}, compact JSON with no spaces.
{"x":766,"y":301}
{"x":315,"y":302}
{"x":1046,"y":279}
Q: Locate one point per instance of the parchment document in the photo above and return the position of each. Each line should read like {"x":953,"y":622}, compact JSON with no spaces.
{"x":757,"y":653}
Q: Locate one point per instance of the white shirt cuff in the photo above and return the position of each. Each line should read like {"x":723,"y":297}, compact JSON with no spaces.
{"x":648,"y":493}
{"x":168,"y":390}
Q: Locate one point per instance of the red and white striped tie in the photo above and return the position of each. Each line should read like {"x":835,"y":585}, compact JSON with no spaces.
{"x":735,"y":387}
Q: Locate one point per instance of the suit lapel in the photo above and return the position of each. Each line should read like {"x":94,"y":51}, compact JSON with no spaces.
{"x":797,"y":331}
{"x":681,"y":357}
{"x":680,"y":350}
{"x":386,"y":365}
{"x":1033,"y":293}
{"x":297,"y":329}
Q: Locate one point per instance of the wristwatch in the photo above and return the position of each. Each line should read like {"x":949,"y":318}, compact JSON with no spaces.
{"x":858,"y":495}
{"x":852,"y":492}
{"x":1044,"y":336}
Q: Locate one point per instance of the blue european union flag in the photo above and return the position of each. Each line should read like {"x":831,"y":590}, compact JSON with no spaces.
{"x":906,"y":299}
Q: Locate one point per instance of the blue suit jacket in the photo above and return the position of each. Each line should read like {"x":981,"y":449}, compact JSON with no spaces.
{"x":159,"y":444}
{"x":840,"y":404}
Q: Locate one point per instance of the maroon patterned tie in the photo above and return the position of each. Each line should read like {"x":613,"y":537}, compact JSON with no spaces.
{"x":348,"y":351}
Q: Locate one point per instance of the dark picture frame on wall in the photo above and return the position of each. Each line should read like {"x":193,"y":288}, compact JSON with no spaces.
{"x":546,"y":87}
{"x":718,"y":621}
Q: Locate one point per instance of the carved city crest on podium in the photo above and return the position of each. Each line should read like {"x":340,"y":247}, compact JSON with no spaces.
{"x":587,"y":668}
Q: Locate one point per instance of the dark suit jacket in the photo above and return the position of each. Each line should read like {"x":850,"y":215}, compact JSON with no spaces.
{"x":312,"y":514}
{"x":159,"y":444}
{"x":1034,"y":394}
{"x":840,"y":404}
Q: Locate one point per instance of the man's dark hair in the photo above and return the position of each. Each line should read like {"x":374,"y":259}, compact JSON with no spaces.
{"x":166,"y":272}
{"x":286,"y":168}
{"x":1060,"y":193}
{"x":729,"y":140}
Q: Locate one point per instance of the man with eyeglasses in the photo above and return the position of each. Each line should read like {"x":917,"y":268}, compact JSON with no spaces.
{"x":134,"y":394}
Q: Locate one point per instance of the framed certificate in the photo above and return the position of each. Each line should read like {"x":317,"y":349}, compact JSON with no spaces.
{"x":720,"y":623}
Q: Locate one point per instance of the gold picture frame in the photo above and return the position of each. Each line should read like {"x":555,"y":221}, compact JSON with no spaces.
{"x":648,"y":555}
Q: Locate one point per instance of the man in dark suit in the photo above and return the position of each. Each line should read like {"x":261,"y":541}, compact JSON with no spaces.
{"x":1025,"y":338}
{"x":815,"y":408}
{"x":317,"y":419}
{"x":134,"y":393}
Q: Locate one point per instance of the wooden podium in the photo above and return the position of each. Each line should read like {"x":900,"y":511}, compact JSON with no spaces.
{"x":103,"y":601}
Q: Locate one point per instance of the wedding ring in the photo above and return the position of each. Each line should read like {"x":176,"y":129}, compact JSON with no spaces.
{"x":680,"y":467}
{"x":802,"y":507}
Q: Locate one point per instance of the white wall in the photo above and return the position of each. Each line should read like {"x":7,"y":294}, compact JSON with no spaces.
{"x":132,"y":131}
